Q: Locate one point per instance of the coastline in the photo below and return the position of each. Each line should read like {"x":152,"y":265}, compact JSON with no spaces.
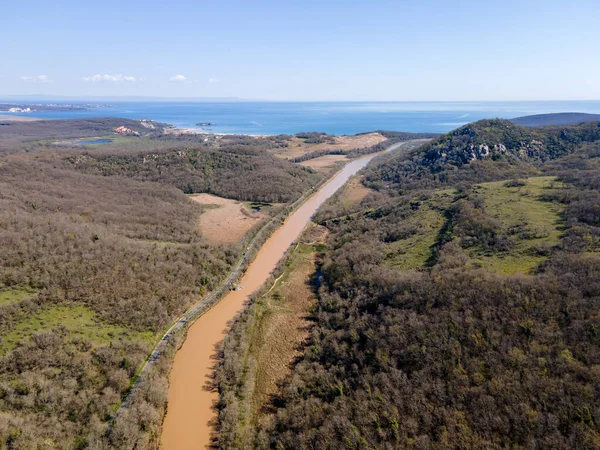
{"x":210,"y":133}
{"x":172,"y":129}
{"x":333,"y":118}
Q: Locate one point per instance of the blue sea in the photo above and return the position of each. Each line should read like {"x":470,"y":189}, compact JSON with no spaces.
{"x":272,"y":118}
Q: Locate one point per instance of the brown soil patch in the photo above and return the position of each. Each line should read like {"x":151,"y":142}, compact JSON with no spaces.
{"x":324,"y":162}
{"x":355,"y":191}
{"x":315,"y":234}
{"x":225,"y":221}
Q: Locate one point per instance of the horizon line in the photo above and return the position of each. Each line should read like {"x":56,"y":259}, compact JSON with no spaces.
{"x":242,"y":99}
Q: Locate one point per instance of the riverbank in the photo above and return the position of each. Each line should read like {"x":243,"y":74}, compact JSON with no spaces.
{"x":190,"y":415}
{"x":264,"y":340}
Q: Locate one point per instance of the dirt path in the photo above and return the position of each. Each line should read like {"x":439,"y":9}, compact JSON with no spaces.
{"x":190,"y":415}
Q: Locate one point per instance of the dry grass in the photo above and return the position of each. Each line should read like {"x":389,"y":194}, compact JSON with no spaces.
{"x":225,"y":221}
{"x":324,"y":163}
{"x":355,"y":191}
{"x":364,"y":140}
{"x":297,"y":147}
{"x":282,"y":325}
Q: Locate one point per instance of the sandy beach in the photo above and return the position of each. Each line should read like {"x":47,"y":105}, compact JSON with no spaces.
{"x":9,"y":118}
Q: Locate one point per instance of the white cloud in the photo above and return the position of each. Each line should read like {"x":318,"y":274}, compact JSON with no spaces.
{"x":116,"y":78}
{"x":37,"y":79}
{"x":212,"y":80}
{"x":178,"y":78}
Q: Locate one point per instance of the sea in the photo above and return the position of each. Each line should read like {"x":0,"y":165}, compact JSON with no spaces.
{"x":339,"y":118}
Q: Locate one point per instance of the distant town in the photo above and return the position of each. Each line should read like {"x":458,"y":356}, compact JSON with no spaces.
{"x":43,"y":107}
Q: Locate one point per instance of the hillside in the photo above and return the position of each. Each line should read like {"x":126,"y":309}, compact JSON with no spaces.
{"x":486,"y":150}
{"x":15,"y":135}
{"x":450,"y":314}
{"x":240,"y":172}
{"x":101,"y":249}
{"x":540,"y":120}
{"x":93,"y":269}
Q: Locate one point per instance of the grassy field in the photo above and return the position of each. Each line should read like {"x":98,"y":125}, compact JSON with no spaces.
{"x":354,"y":191}
{"x":531,"y":223}
{"x":416,"y":251}
{"x":10,"y":295}
{"x":78,"y":320}
{"x":522,"y":211}
{"x":325,"y":163}
{"x":226,"y":221}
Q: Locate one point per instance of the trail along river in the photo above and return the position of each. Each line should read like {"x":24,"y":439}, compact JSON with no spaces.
{"x":190,"y":417}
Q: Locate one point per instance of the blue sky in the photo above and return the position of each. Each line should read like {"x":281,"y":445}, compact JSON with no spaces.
{"x":426,"y":50}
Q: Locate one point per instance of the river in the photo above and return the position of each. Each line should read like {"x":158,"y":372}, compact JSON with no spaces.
{"x":190,"y":418}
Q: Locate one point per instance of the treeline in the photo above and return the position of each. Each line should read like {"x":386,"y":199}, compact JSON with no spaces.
{"x":451,"y":355}
{"x":239,"y":171}
{"x":351,"y":153}
{"x":64,"y":231}
{"x":582,"y":215}
{"x":406,"y":136}
{"x":315,"y":137}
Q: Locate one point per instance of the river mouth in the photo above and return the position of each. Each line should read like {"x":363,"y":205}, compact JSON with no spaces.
{"x":190,"y":418}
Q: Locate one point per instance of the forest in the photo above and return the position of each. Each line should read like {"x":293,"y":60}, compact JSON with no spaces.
{"x":242,"y":172}
{"x":486,"y":150}
{"x":100,"y":251}
{"x":485,"y":337}
{"x":93,"y":269}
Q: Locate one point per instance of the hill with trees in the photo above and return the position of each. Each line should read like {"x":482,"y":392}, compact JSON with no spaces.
{"x":243,"y":172}
{"x":455,"y":311}
{"x":486,"y":150}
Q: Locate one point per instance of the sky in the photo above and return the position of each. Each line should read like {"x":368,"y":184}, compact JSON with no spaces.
{"x":309,"y":50}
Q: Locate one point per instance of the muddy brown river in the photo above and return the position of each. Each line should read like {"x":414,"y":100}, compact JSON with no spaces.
{"x":190,"y":418}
